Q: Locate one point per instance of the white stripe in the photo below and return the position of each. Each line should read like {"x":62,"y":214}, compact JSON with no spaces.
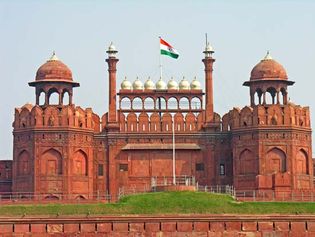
{"x":172,"y":50}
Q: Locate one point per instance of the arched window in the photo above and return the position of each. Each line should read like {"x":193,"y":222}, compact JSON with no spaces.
{"x":195,"y":103}
{"x":161,"y":103}
{"x":172,"y":103}
{"x":149,"y":103}
{"x":42,"y":98}
{"x":125,"y":103}
{"x":184,"y":103}
{"x":65,"y":98}
{"x":301,"y":162}
{"x":271,"y":95}
{"x":80,"y":163}
{"x":24,"y":163}
{"x":275,"y":161}
{"x":51,"y":163}
{"x":53,"y":97}
{"x":247,"y":163}
{"x":257,"y":97}
{"x":137,"y":103}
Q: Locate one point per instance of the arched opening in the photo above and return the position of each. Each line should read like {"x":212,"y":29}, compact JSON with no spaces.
{"x":80,"y":163}
{"x":172,"y":103}
{"x":41,"y":98}
{"x":53,"y":97}
{"x":80,"y":197}
{"x":257,"y":96}
{"x":65,"y":98}
{"x":137,"y":103}
{"x":247,"y":163}
{"x":24,"y":163}
{"x":195,"y":103}
{"x":149,"y":103}
{"x":51,"y":197}
{"x":271,"y":95}
{"x":161,"y":103}
{"x":51,"y":163}
{"x":125,"y":103}
{"x":184,"y":103}
{"x":275,"y":161}
{"x":301,"y":162}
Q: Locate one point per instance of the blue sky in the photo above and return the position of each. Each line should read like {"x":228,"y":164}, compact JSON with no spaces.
{"x":80,"y":31}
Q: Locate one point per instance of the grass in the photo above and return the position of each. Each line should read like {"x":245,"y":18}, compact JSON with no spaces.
{"x":163,"y":203}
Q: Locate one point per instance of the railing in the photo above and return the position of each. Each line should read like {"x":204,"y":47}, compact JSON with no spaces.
{"x":168,"y":180}
{"x":275,"y":196}
{"x":24,"y":197}
{"x":180,"y":181}
{"x":224,"y":189}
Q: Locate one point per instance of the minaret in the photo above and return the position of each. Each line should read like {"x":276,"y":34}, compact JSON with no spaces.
{"x":208,"y":61}
{"x":112,"y":61}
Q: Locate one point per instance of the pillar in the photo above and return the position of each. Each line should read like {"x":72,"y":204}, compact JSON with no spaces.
{"x":208,"y":62}
{"x":112,"y":61}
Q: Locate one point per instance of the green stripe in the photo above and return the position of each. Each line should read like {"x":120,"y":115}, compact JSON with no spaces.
{"x":168,"y":53}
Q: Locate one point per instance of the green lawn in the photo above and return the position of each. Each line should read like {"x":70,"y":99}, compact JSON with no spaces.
{"x":163,"y":203}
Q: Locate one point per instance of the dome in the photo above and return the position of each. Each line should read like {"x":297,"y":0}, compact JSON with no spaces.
{"x":195,"y":84}
{"x":184,"y":84}
{"x":172,"y":84}
{"x":126,"y":85}
{"x":137,"y":84}
{"x":149,"y":84}
{"x":54,"y":70}
{"x":268,"y":68}
{"x":161,"y":85}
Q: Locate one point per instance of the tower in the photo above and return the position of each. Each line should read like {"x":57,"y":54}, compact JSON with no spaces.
{"x":208,"y":62}
{"x":112,"y":121}
{"x":271,"y":138}
{"x":53,"y":140}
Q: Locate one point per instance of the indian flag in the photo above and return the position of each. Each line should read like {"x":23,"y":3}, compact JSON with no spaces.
{"x":167,"y":49}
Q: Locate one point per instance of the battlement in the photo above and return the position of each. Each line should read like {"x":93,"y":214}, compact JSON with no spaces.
{"x":266,"y":115}
{"x":30,"y":116}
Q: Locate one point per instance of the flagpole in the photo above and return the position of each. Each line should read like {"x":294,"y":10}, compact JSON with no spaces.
{"x":160,"y":59}
{"x":174,"y":163}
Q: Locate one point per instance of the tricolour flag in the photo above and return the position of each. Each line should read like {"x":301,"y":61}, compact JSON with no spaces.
{"x":167,"y":49}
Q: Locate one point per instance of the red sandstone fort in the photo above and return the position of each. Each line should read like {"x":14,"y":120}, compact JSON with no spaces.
{"x":62,"y":150}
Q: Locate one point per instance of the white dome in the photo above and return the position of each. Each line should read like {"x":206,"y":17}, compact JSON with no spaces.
{"x":184,"y":84}
{"x":161,"y":85}
{"x":111,"y":47}
{"x":137,"y":84}
{"x":195,"y":84}
{"x":172,"y":84}
{"x":126,"y":85}
{"x":149,"y":84}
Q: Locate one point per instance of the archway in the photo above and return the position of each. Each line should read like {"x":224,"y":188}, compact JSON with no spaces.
{"x":51,"y":163}
{"x":80,"y":163}
{"x":23,"y":163}
{"x":301,"y":162}
{"x":275,"y":161}
{"x":247,"y":163}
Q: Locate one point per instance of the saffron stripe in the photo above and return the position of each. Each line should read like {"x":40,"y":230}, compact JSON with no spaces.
{"x":165,"y":43}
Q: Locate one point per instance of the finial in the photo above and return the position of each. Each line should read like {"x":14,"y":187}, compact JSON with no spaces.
{"x":208,"y":50}
{"x":112,"y":50}
{"x":53,"y":57}
{"x":268,"y":56}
